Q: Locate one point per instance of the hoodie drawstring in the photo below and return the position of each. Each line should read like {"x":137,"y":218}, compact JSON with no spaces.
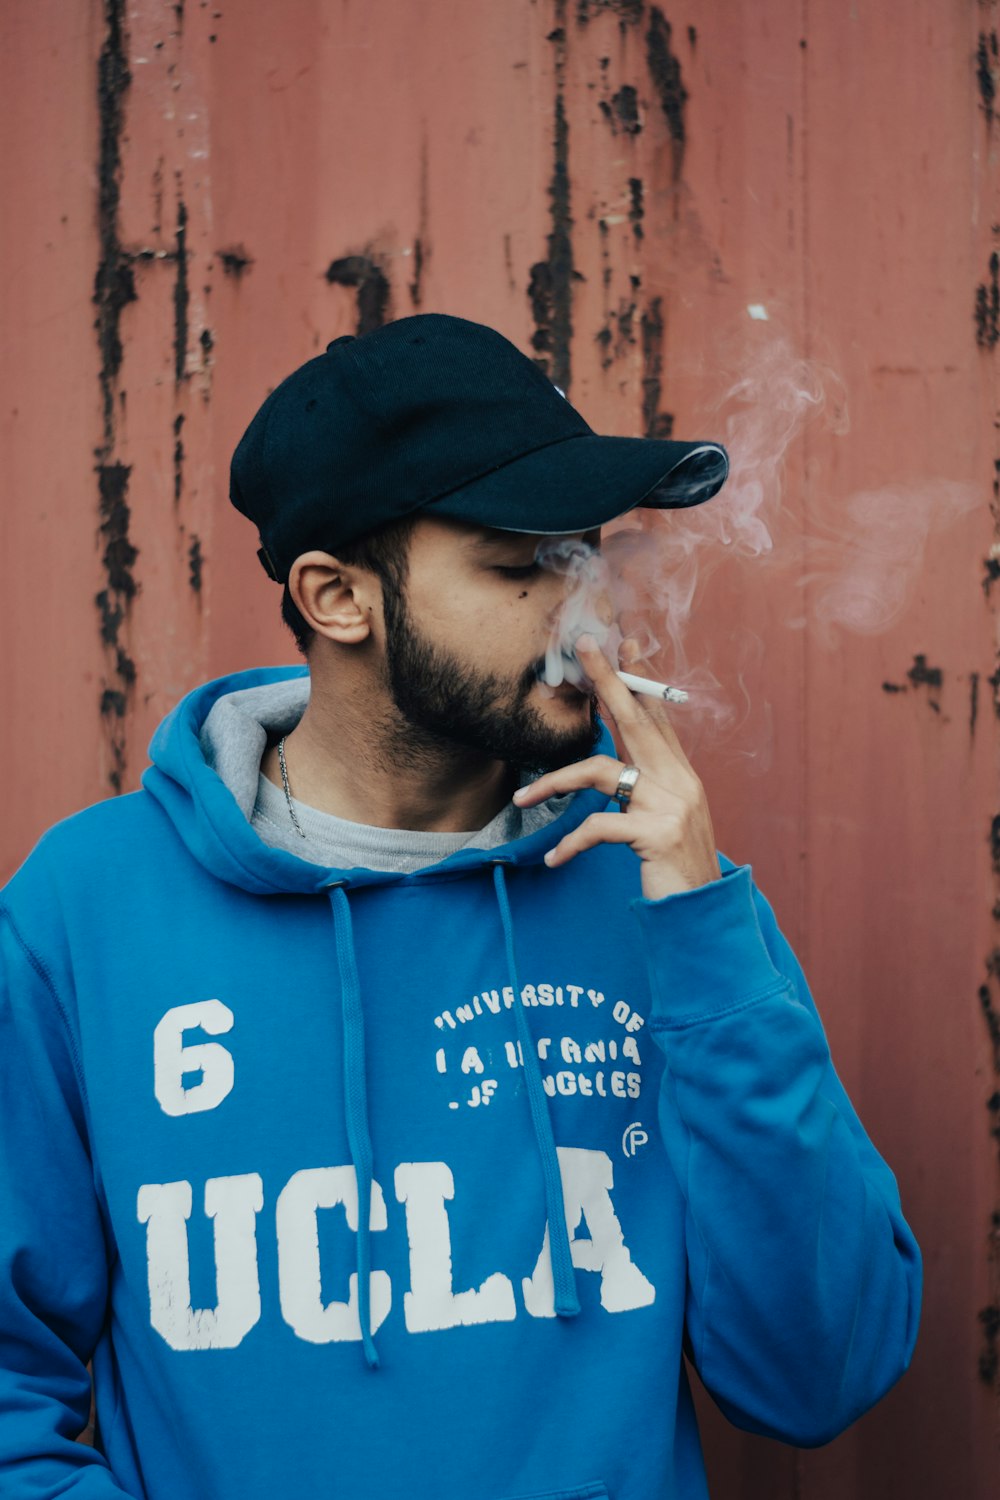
{"x":567,"y":1304}
{"x":356,"y":1104}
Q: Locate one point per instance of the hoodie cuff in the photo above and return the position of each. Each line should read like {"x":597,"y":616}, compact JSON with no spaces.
{"x":706,"y":951}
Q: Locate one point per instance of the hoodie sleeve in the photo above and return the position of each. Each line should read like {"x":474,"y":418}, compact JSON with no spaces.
{"x":804,"y":1280}
{"x":53,"y":1264}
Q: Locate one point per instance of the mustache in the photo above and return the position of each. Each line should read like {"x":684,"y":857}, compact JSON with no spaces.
{"x":534,"y":673}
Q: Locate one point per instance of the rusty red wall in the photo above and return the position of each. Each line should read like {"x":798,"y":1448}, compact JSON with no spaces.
{"x":197,"y":197}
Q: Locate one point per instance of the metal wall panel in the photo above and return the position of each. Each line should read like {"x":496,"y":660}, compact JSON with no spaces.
{"x":198,"y":197}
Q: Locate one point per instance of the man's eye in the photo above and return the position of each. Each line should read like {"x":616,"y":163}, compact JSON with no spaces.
{"x":528,"y":571}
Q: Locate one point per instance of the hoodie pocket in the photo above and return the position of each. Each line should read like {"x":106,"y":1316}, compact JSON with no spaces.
{"x":596,"y":1489}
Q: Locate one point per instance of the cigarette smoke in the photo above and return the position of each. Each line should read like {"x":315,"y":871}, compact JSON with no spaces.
{"x":852,"y":568}
{"x":863,"y":576}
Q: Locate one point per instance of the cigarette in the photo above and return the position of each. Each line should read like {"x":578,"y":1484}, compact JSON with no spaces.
{"x":652,"y":689}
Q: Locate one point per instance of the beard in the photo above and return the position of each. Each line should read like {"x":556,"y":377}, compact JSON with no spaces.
{"x":451,"y":705}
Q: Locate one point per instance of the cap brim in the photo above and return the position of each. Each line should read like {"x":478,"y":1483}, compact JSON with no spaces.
{"x":582,"y":482}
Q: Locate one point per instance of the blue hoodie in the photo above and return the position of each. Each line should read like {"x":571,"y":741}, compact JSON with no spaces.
{"x":354,"y":1184}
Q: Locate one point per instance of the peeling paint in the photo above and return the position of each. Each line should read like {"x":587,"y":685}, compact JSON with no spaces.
{"x":235,"y":260}
{"x":618,"y":331}
{"x":420,"y":242}
{"x":655,"y":423}
{"x":182,"y":297}
{"x":988,"y":1366}
{"x":114,"y":601}
{"x":114,"y":288}
{"x":364,"y":273}
{"x":158,"y":197}
{"x":987,"y":308}
{"x":989,"y":1358}
{"x":986,"y":62}
{"x":636,"y":210}
{"x":508,"y":261}
{"x":418,"y":267}
{"x":603,"y":337}
{"x":119,"y":553}
{"x":178,"y":456}
{"x":622,"y":111}
{"x":629,"y":12}
{"x":114,"y":284}
{"x":993,"y":1105}
{"x":625,"y":104}
{"x":550,"y":286}
{"x":665,"y":72}
{"x":149,"y":252}
{"x":606,"y":272}
{"x":920,"y":675}
{"x":195,"y":564}
{"x":113,"y":703}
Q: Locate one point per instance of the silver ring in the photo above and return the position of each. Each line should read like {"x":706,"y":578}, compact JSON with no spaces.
{"x":622,"y":793}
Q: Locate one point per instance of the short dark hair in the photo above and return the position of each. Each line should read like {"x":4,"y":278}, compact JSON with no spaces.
{"x":384,"y":551}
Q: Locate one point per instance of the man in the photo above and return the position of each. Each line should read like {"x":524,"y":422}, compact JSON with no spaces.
{"x":393,"y":1087}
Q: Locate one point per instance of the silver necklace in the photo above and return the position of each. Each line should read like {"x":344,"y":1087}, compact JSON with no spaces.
{"x":284,"y":783}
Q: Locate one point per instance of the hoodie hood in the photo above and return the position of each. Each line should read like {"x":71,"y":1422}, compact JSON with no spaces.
{"x":184,"y":778}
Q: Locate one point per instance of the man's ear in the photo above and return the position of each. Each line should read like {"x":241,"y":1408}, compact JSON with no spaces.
{"x":336,"y":601}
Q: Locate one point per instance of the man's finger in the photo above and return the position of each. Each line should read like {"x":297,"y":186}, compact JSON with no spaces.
{"x":599,"y":828}
{"x":599,"y":771}
{"x":656,"y":709}
{"x":639,"y":735}
{"x":642,"y":726}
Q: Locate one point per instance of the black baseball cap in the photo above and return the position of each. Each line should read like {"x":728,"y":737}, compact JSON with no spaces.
{"x":439,"y":414}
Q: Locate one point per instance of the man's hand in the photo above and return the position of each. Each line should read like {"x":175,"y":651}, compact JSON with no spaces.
{"x":667,"y":821}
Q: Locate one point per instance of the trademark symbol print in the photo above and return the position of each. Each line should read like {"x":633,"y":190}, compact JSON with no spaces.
{"x":633,"y":1137}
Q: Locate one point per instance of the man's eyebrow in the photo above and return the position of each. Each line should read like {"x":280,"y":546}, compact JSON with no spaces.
{"x":489,"y":541}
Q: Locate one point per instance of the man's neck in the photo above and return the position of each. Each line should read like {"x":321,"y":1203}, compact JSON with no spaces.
{"x":364,"y":763}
